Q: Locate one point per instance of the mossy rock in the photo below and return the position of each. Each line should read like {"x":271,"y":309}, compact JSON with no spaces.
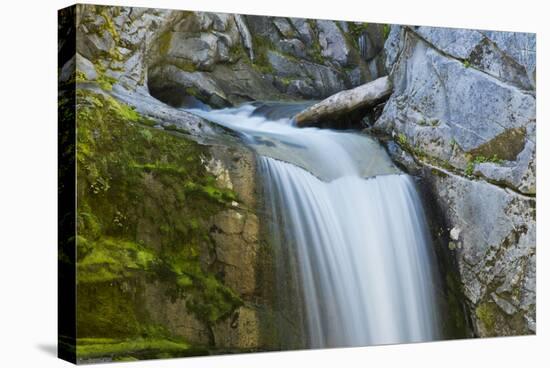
{"x":505,"y":146}
{"x":492,"y":321}
{"x":144,"y":206}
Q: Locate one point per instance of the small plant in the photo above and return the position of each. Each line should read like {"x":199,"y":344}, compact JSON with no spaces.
{"x":402,"y":139}
{"x":466,"y":63}
{"x":469,"y":168}
{"x":386,"y":31}
{"x":101,"y":184}
{"x":472,"y":162}
{"x":494,"y":159}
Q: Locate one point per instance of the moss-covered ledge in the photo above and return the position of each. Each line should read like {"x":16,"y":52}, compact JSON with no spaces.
{"x":145,"y":202}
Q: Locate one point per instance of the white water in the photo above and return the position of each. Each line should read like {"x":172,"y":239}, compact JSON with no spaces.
{"x":356,"y":227}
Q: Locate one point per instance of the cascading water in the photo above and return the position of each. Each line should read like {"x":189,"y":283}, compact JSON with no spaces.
{"x":354,"y":225}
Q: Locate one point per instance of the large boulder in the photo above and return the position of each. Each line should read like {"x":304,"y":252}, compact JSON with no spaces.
{"x":463,"y":109}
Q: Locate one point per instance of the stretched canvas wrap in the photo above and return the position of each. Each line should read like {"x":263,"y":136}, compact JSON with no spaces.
{"x":235,"y":183}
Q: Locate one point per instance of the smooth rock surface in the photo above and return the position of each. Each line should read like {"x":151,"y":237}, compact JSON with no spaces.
{"x":463,"y":114}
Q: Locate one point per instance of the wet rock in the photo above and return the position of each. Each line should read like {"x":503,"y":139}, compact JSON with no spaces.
{"x":241,"y":331}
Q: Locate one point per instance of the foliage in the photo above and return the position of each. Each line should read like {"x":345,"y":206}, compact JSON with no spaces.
{"x":261,"y":46}
{"x":472,"y":162}
{"x":315,"y":51}
{"x":402,"y":139}
{"x":485,"y":312}
{"x":356,"y":29}
{"x":104,"y":81}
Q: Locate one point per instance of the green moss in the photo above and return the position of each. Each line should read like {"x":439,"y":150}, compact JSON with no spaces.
{"x":402,"y":139}
{"x":109,"y":259}
{"x":185,"y":65}
{"x":164,"y":42}
{"x":285,"y":81}
{"x":386,"y":29}
{"x":80,"y":76}
{"x":109,"y":25}
{"x":455,"y":325}
{"x":210,"y":191}
{"x":473,"y":161}
{"x":122,"y":350}
{"x":357,"y":29}
{"x":315,"y":51}
{"x":425,"y":122}
{"x":193,"y":91}
{"x":505,"y":146}
{"x":237,"y":52}
{"x":159,"y":167}
{"x":261,"y":46}
{"x":466,"y":63}
{"x":485,"y":312}
{"x":104,"y":81}
{"x":469,"y":168}
{"x":144,"y":205}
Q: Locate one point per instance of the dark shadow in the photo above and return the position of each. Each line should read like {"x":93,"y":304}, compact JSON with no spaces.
{"x":50,"y":349}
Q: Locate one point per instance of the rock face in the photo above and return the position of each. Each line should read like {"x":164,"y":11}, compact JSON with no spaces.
{"x":224,"y":59}
{"x":463,"y":109}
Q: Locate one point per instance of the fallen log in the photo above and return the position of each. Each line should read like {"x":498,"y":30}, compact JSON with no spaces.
{"x":346,"y":102}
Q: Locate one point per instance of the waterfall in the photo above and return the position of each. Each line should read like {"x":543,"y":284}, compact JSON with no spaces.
{"x":363,"y":42}
{"x":354,"y":225}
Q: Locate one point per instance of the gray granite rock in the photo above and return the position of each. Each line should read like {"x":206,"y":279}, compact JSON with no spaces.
{"x":333,"y":42}
{"x":463,"y":117}
{"x":436,"y":107}
{"x":480,"y":50}
{"x":304,"y":30}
